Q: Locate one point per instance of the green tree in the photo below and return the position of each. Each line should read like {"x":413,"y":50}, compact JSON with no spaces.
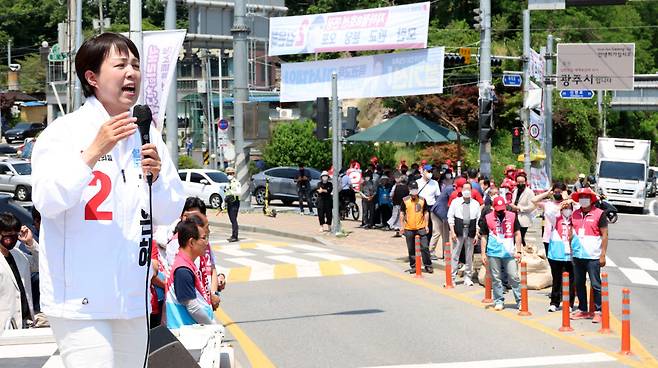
{"x":294,"y":143}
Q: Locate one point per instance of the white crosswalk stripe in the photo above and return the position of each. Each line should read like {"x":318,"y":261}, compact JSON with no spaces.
{"x":310,"y":248}
{"x":243,"y":261}
{"x":638,"y":276}
{"x":236,"y":252}
{"x":327,"y":256}
{"x":272,"y":249}
{"x":609,"y":262}
{"x":646,"y":264}
{"x":305,"y":268}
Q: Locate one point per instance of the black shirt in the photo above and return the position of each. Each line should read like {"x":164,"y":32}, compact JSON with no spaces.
{"x":302,"y":183}
{"x":401,"y":191}
{"x":25,"y":307}
{"x":184,"y":284}
{"x":326,"y":186}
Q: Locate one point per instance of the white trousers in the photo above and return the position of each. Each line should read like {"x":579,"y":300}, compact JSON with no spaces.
{"x":107,"y":343}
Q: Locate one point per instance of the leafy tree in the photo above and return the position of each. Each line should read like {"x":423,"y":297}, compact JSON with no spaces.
{"x":294,"y":143}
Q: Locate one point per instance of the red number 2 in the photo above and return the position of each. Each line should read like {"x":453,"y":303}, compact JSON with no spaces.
{"x":91,"y":209}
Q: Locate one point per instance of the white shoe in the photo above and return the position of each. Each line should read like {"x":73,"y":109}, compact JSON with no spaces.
{"x":552,"y":308}
{"x":468,"y":282}
{"x":499,"y":307}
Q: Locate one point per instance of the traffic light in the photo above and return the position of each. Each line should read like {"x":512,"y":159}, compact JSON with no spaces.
{"x":516,"y":141}
{"x":321,"y":117}
{"x":478,"y":20}
{"x":351,"y":122}
{"x":485,"y":120}
{"x":451,"y":60}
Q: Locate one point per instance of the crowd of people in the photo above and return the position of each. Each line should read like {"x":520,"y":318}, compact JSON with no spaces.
{"x":472,"y":214}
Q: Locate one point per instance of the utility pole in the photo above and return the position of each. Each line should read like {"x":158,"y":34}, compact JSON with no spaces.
{"x":485,"y":86}
{"x":171,"y":113}
{"x":221,"y":106}
{"x":240,"y":31}
{"x":77,"y":89}
{"x":9,"y":52}
{"x":101,"y":22}
{"x":136,"y":30}
{"x":526,"y":89}
{"x":599,"y":106}
{"x":548,"y":107}
{"x":335,"y":152}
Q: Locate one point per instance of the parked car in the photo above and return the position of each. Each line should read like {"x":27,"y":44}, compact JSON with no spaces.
{"x":7,"y":150}
{"x":209,"y":185}
{"x":22,"y":131}
{"x":282,"y":184}
{"x":16,"y":177}
{"x":7,"y":204}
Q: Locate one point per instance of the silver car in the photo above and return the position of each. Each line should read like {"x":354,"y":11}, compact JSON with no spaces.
{"x":282,"y":184}
{"x":16,"y":178}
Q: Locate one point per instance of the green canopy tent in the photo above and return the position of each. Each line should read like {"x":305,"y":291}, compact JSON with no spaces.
{"x":409,"y":129}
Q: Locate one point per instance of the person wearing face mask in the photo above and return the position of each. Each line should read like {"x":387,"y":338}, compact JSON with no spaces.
{"x":429,"y":190}
{"x":463,"y":216}
{"x":233,"y":202}
{"x":368,"y":192}
{"x":589,"y":244}
{"x":15,"y":279}
{"x":556,"y":237}
{"x":580,"y":184}
{"x":414,"y":217}
{"x":325,"y":202}
{"x":502,"y":249}
{"x":522,"y":203}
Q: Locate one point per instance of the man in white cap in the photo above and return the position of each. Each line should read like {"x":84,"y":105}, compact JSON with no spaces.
{"x":580,"y":184}
{"x":233,"y":202}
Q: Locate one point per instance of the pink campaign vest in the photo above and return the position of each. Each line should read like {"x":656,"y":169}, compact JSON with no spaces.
{"x":175,"y":313}
{"x":498,"y":245}
{"x":558,"y":244}
{"x":587,"y":234}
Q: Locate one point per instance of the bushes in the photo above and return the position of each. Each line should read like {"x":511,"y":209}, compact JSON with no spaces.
{"x":294,"y":143}
{"x":187,"y":162}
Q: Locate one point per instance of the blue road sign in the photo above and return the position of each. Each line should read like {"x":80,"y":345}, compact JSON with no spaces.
{"x":512,"y":80}
{"x":578,"y":94}
{"x":223,"y":124}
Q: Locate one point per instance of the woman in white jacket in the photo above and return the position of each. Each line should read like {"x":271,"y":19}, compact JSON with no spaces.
{"x":463,"y":219}
{"x":89,"y":170}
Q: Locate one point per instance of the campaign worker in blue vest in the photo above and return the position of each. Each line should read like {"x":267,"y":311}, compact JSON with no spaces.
{"x":501,"y":247}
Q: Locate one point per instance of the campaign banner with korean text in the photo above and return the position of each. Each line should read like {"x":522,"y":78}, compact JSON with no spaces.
{"x":394,"y":27}
{"x":418,"y":72}
{"x":160,"y":51}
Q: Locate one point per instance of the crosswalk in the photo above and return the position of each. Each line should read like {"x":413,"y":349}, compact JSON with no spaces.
{"x":268,"y":260}
{"x":639,"y":271}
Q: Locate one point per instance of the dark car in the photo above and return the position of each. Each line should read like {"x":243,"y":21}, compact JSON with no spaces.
{"x":7,"y":204}
{"x":7,"y":150}
{"x":282,"y":184}
{"x":22,"y":131}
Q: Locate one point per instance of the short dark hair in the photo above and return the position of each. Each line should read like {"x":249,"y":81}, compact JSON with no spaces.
{"x":194,"y":202}
{"x":9,"y":222}
{"x":472,"y":173}
{"x":93,"y":52}
{"x":187,"y":229}
{"x":560,"y":185}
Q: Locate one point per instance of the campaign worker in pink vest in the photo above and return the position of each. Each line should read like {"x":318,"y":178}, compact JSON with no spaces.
{"x":589,"y":245}
{"x":501,"y":248}
{"x":187,"y":301}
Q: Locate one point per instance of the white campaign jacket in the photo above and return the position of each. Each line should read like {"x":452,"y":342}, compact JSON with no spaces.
{"x":11,"y":313}
{"x":93,"y":231}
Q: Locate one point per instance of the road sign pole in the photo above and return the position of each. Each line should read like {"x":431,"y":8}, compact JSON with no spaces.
{"x":526,"y":89}
{"x":335,"y":150}
{"x":548,"y":110}
{"x":485,"y":86}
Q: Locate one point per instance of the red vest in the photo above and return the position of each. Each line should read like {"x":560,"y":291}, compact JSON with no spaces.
{"x":182,"y":260}
{"x":586,"y":229}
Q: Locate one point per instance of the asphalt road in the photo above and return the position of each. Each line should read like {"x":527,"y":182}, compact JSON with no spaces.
{"x":293,"y":304}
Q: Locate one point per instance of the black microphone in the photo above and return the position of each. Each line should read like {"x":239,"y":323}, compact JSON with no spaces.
{"x":144,"y":118}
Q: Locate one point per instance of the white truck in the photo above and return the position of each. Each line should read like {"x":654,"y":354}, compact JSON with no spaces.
{"x":622,"y":170}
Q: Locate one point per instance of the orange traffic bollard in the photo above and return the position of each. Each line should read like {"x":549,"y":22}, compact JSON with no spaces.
{"x":591,"y":307}
{"x":524,"y":290}
{"x":626,"y":323}
{"x":487,"y":286}
{"x":605,"y":304}
{"x":566,"y":321}
{"x":419,"y":262}
{"x":447,"y":256}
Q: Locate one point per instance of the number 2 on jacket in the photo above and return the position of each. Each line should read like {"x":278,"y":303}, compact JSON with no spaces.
{"x":91,"y":209}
